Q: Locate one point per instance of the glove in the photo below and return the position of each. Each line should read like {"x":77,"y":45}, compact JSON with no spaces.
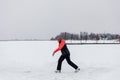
{"x":53,"y":54}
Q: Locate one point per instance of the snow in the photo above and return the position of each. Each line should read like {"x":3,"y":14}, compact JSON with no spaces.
{"x":33,"y":60}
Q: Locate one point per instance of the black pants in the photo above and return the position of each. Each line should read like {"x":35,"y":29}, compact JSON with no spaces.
{"x":67,"y":57}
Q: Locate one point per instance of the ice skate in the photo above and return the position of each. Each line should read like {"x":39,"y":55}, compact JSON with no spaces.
{"x":77,"y":70}
{"x":58,"y":71}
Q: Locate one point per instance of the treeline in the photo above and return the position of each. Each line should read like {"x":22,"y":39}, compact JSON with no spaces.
{"x":87,"y":36}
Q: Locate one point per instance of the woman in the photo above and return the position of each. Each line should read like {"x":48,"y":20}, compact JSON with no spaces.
{"x":65,"y":55}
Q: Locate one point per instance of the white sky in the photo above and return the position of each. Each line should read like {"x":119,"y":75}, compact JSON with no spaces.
{"x":47,"y":18}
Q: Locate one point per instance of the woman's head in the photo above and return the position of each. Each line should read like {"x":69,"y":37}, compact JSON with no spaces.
{"x":59,"y":38}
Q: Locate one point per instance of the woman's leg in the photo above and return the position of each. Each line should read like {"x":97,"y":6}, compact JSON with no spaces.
{"x":60,"y":62}
{"x":71,"y":63}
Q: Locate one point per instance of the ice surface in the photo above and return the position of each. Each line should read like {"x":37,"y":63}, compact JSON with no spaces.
{"x":33,"y":60}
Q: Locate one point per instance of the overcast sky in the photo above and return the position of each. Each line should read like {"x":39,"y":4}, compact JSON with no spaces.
{"x":47,"y":18}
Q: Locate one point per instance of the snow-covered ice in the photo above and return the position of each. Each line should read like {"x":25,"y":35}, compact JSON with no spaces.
{"x":33,"y":60}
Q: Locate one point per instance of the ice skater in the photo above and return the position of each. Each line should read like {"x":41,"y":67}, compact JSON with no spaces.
{"x":65,"y":55}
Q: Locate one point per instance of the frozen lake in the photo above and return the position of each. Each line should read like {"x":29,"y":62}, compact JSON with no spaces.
{"x":33,"y":60}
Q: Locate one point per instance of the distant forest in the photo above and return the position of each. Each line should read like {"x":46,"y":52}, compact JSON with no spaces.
{"x":86,"y":36}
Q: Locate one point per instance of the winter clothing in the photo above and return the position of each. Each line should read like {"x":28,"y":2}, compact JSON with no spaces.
{"x":63,"y":48}
{"x":65,"y":55}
